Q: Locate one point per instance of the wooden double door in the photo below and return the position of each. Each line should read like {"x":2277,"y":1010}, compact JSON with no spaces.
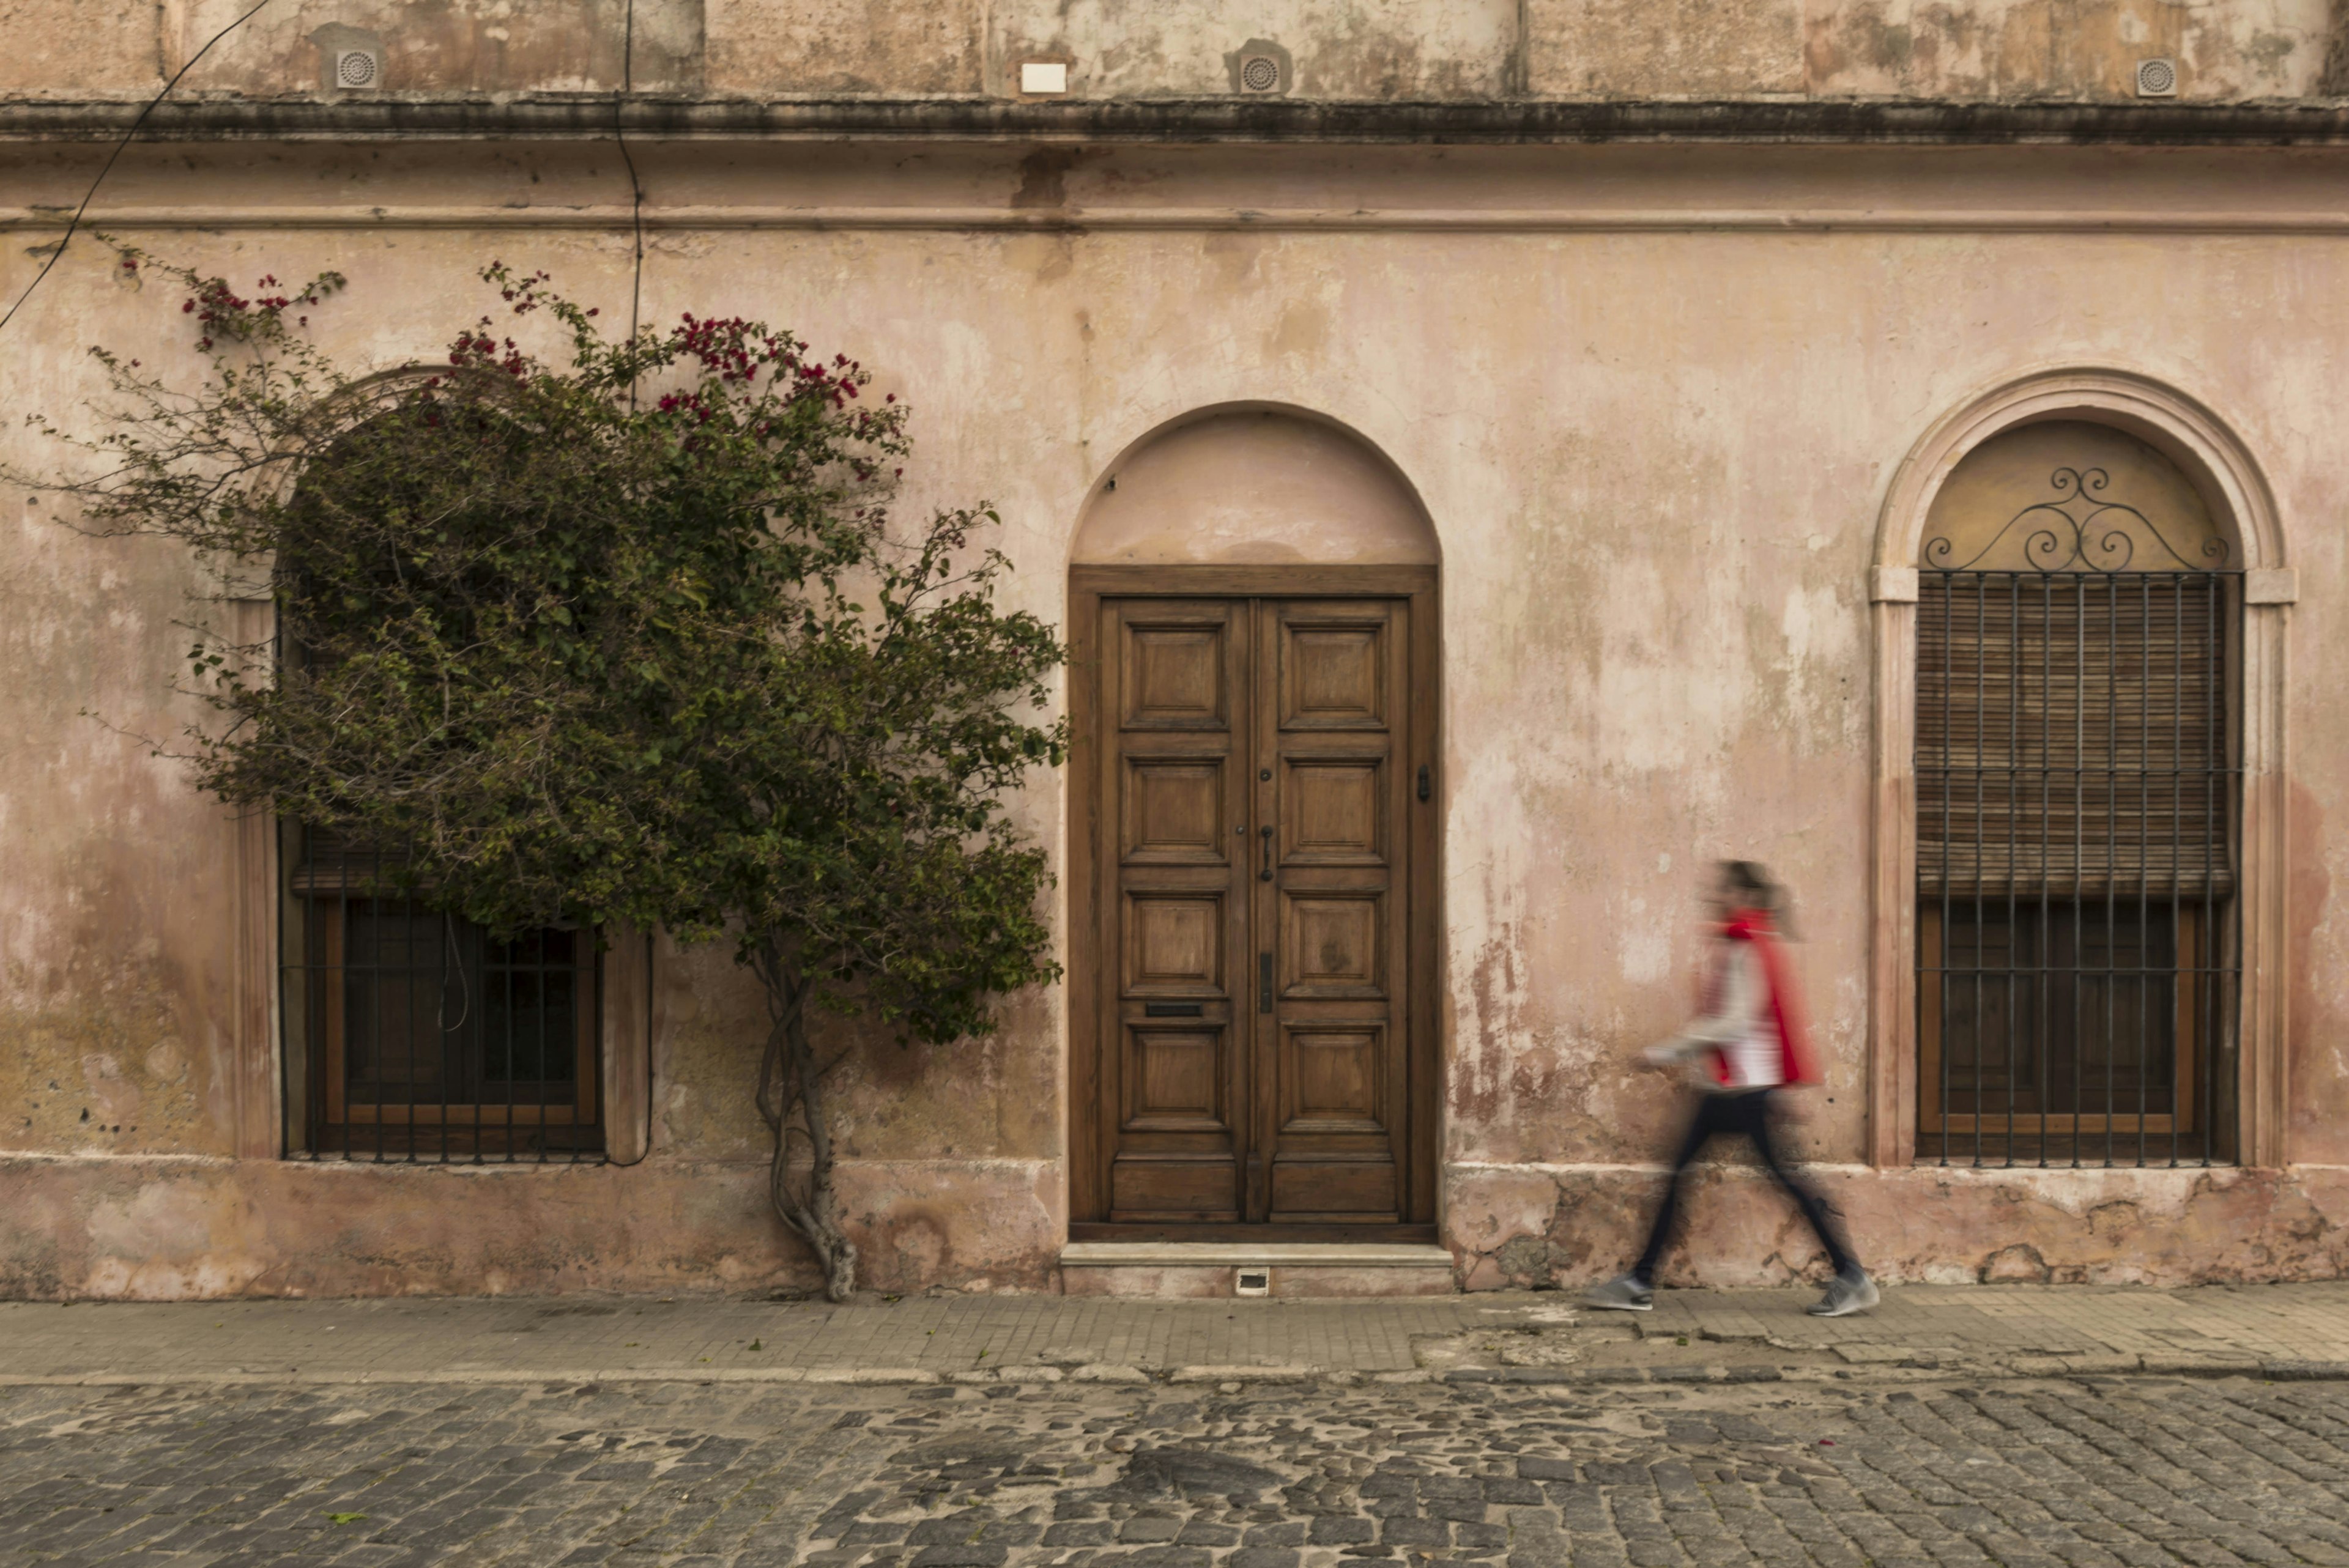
{"x":1255,"y":963}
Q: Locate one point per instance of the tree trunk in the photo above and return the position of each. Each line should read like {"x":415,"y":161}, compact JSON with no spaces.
{"x":789,"y":1081}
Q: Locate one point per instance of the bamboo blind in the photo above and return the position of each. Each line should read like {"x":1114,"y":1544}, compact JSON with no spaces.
{"x":2072,"y":735}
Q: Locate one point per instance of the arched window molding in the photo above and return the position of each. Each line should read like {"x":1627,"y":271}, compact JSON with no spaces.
{"x":259,"y":1077}
{"x":2240,"y":499}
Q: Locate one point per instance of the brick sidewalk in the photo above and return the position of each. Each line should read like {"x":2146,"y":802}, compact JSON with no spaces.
{"x":2300,"y":1330}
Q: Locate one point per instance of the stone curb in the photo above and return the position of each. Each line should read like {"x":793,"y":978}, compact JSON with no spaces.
{"x":1258,"y":1374}
{"x":1092,"y":1372}
{"x":2276,"y":1371}
{"x":1614,"y":1375}
{"x":2020,"y":1367}
{"x":2304,"y":1371}
{"x":295,"y":1377}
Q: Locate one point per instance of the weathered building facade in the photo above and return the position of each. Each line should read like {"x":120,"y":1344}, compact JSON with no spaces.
{"x":1489,"y":458}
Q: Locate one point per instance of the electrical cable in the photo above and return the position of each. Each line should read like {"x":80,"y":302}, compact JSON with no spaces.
{"x":636,"y":187}
{"x":127,"y":136}
{"x":648,"y":1149}
{"x":636,"y":302}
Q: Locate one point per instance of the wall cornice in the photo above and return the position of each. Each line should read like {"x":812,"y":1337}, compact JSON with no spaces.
{"x":1189,"y":120}
{"x":848,"y":183}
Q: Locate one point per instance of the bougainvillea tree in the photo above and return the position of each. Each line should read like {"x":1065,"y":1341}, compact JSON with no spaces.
{"x":625,"y":635}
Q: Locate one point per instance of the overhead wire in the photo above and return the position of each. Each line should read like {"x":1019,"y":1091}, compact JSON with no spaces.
{"x":636,"y":304}
{"x":637,"y":226}
{"x":73,"y":225}
{"x":636,"y":186}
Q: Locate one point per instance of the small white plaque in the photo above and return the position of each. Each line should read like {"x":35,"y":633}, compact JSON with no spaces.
{"x":1043,"y":77}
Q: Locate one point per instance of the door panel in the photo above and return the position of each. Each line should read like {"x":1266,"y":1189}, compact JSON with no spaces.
{"x":1335,"y":1137}
{"x":1252,"y":974}
{"x":1329,"y":1080}
{"x":1174,"y":945}
{"x":1178,"y":907}
{"x":1338,"y":1191}
{"x":1176,"y":677}
{"x":1179,"y":1080}
{"x":1334,"y":811}
{"x":1332,"y":945}
{"x":1173,"y":810}
{"x":1333,"y":675}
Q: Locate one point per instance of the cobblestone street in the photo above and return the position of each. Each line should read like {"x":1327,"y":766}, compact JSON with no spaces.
{"x":1282,"y":1474}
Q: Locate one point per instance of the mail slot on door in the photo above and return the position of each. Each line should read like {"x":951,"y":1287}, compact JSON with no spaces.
{"x":1172,"y":1010}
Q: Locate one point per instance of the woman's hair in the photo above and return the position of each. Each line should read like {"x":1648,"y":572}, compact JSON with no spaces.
{"x":1752,"y":888}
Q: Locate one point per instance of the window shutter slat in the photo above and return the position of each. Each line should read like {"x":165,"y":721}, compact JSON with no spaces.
{"x":2071,"y":735}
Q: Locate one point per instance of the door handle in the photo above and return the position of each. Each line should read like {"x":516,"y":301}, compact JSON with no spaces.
{"x":1265,"y":874}
{"x":1264,"y":982}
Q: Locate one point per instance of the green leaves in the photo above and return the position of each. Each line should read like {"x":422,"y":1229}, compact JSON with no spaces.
{"x":628,"y":637}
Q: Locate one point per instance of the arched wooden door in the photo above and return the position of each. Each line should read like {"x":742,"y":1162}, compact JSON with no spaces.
{"x":1252,"y":974}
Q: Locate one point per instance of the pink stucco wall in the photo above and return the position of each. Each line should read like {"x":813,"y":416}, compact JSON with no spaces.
{"x":1651,"y":400}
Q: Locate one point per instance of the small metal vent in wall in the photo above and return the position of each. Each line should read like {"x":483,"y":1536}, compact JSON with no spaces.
{"x":1261,"y":74}
{"x":2156,"y":79}
{"x":357,"y":68}
{"x":1251,"y":1281}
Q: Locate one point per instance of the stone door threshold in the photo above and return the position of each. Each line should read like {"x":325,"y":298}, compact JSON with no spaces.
{"x":1209,"y":1270}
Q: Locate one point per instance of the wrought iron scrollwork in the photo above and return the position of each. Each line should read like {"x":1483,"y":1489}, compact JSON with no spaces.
{"x":2079,"y":529}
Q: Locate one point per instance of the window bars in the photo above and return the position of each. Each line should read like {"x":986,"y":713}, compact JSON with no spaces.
{"x":2077,"y":789}
{"x":413,"y":1037}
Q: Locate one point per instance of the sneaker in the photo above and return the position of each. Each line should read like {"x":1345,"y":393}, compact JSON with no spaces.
{"x":1626,"y":1293}
{"x":1847,"y":1294}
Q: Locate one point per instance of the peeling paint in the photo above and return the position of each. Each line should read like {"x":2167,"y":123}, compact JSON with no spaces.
{"x":2149,"y":1227}
{"x":1654,"y":460}
{"x":166,"y":1231}
{"x":98,"y":1062}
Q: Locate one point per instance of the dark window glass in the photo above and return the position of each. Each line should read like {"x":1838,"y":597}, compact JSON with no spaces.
{"x":415,"y":1035}
{"x":2066,"y":1009}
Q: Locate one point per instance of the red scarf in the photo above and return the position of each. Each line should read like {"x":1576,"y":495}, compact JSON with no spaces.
{"x":1794,"y":1057}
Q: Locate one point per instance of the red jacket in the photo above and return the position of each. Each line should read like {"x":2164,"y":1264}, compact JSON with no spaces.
{"x":1752,"y":925}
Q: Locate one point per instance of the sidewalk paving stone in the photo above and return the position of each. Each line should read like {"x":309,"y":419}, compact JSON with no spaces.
{"x":2296,"y":1331}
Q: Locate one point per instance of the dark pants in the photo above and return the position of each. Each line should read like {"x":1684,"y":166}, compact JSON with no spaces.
{"x":1739,"y":1115}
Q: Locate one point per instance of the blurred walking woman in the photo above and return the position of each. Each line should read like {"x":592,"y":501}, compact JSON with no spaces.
{"x":1745,"y":1050}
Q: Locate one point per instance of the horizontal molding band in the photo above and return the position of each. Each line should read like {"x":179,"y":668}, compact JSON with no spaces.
{"x":1215,"y":120}
{"x":614,"y":217}
{"x":2066,"y":1176}
{"x":660,"y":1162}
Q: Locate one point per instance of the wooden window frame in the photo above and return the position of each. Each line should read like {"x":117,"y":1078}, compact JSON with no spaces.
{"x":584,"y":1110}
{"x":266,"y":1122}
{"x":2216,"y":462}
{"x":606,"y":1119}
{"x":1931,"y":1118}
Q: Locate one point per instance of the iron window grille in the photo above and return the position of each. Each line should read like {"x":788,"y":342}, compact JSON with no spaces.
{"x":2079,"y":785}
{"x":414,"y":1037}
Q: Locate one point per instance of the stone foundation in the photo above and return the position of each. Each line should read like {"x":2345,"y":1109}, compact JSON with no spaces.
{"x":164,"y":1230}
{"x":172,"y":1229}
{"x":1536,"y":1225}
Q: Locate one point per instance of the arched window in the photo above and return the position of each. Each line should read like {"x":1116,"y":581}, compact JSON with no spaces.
{"x":2077,"y":801}
{"x":411,"y":1033}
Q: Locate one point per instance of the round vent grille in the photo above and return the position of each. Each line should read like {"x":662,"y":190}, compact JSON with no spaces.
{"x":1260,"y":73}
{"x":354,"y":69}
{"x":2156,"y":79}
